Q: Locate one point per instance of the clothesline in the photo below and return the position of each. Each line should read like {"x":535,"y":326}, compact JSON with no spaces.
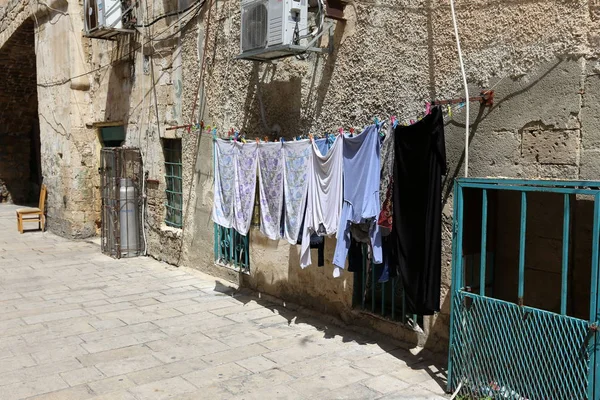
{"x":384,"y":191}
{"x":233,"y":134}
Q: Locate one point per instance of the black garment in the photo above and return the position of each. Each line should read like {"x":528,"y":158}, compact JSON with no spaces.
{"x":316,"y":242}
{"x":416,"y":247}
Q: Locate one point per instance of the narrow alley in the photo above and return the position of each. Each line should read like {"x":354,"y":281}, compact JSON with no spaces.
{"x":76,"y":324}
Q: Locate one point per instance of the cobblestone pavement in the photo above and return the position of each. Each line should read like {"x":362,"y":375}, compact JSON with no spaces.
{"x":75,"y":324}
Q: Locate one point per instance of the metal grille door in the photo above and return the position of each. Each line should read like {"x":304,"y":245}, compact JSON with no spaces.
{"x":121,"y":175}
{"x":505,"y":350}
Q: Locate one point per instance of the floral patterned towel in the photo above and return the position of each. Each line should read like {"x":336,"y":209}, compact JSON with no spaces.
{"x":235,"y":184}
{"x":224,"y":183}
{"x":297,"y":157}
{"x":270,"y":178}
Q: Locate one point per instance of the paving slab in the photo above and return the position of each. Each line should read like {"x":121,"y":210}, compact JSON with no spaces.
{"x":77,"y":325}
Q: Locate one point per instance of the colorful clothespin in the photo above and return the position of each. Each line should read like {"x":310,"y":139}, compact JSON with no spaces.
{"x":310,"y":136}
{"x":202,"y":124}
{"x":427,"y":108}
{"x":266,"y":139}
{"x":412,"y":121}
{"x":351,"y":131}
{"x":341,"y":131}
{"x":449,"y":111}
{"x":281,"y":140}
{"x":256,"y":140}
{"x":376,"y":121}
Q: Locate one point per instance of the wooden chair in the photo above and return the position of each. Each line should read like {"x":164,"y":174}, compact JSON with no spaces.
{"x":33,"y":214}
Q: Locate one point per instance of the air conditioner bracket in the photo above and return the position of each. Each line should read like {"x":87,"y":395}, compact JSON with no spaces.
{"x":290,"y":50}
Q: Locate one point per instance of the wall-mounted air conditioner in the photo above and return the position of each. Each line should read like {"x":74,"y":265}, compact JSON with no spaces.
{"x":272,"y":29}
{"x":104,"y":18}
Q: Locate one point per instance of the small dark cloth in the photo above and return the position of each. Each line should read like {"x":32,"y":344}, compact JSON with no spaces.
{"x":416,"y":247}
{"x":316,"y":242}
{"x":355,"y":256}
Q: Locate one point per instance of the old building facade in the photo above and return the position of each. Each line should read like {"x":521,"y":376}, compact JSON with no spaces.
{"x":61,"y":92}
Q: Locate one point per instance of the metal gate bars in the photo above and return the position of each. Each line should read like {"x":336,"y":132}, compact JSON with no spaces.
{"x":121,"y":175}
{"x":509,"y":350}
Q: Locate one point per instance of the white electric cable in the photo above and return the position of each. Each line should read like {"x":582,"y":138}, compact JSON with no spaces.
{"x":144,"y":198}
{"x":464,"y":75}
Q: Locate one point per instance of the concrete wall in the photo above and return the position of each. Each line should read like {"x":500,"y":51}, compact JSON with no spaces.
{"x":388,"y":59}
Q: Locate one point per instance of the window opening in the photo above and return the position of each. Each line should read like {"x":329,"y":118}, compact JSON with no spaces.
{"x":383,"y":298}
{"x":232,"y":249}
{"x":174,"y":182}
{"x":112,"y":136}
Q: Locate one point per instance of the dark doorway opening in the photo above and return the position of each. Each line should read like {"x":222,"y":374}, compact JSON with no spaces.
{"x":20,"y":166}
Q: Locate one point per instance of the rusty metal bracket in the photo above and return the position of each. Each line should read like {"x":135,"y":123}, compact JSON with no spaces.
{"x":486,"y":99}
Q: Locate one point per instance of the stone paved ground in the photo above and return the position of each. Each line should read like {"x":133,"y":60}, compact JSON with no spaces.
{"x":75,"y":324}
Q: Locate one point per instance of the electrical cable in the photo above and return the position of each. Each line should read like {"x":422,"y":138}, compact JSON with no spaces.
{"x":170,"y":14}
{"x":197,"y":143}
{"x":464,"y":76}
{"x":62,"y":82}
{"x":161,"y":39}
{"x":262,"y":107}
{"x":51,"y":8}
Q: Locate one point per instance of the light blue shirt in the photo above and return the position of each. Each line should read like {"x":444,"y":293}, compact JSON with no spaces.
{"x":361,"y":192}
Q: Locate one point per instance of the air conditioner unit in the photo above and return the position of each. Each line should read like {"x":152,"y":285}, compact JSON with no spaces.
{"x":272,"y":28}
{"x":104,"y":18}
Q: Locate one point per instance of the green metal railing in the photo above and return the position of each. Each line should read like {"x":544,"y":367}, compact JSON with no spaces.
{"x":174,"y":181}
{"x":231,"y":249}
{"x":386,"y":299}
{"x":502,"y":349}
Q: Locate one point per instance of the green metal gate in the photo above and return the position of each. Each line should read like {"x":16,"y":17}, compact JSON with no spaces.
{"x":505,"y":350}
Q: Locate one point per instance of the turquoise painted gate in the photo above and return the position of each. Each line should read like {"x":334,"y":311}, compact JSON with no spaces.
{"x":504,"y":350}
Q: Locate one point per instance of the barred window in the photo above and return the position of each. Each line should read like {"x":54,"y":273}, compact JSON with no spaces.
{"x":232,"y":249}
{"x":174,"y":181}
{"x":377,"y":293}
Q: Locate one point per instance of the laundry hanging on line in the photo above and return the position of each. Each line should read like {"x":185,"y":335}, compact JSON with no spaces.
{"x":361,"y":193}
{"x":390,"y":184}
{"x":270,"y":174}
{"x":416,"y":239}
{"x":235,"y":184}
{"x":325,"y":194}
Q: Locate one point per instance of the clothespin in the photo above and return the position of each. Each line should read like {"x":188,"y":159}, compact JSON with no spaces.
{"x":266,"y":139}
{"x":394,"y":122}
{"x":341,"y":131}
{"x":310,"y":136}
{"x":202,"y":124}
{"x":256,"y":140}
{"x":412,"y":121}
{"x":376,"y":121}
{"x":214,"y":135}
{"x":351,"y":131}
{"x":449,"y":111}
{"x":427,"y":108}
{"x":281,"y":140}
